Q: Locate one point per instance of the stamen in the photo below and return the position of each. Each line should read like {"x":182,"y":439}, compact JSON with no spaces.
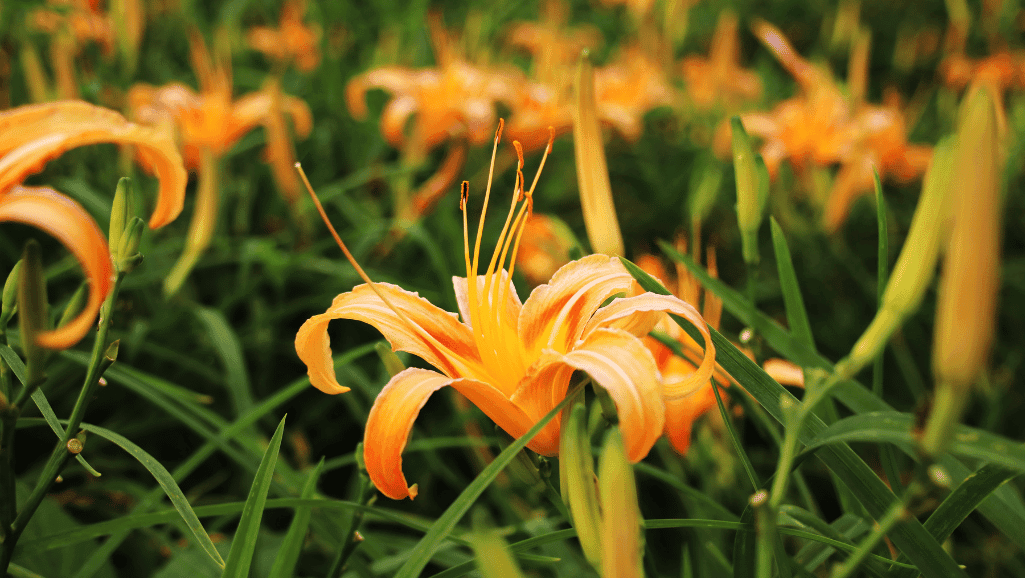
{"x":444,"y":352}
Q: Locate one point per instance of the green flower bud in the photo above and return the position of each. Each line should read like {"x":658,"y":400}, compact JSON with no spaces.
{"x":622,"y":547}
{"x":749,"y":205}
{"x":120,"y":212}
{"x":32,"y":302}
{"x":576,"y":477}
{"x":10,"y":303}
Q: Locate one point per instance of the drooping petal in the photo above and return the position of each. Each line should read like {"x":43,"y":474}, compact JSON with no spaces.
{"x":397,"y":406}
{"x":441,"y":339}
{"x":69,"y":223}
{"x":639,"y":315}
{"x":30,"y":136}
{"x":619,"y":363}
{"x":681,"y":413}
{"x":554,"y":315}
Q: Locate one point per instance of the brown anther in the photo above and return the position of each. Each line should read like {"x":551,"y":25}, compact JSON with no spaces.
{"x":519,"y":153}
{"x":75,"y":446}
{"x":551,"y":140}
{"x":464,"y":195}
{"x":498,"y":133}
{"x":357,"y":537}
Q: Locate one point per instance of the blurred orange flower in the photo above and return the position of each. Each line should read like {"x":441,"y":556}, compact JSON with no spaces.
{"x":718,"y":81}
{"x":208,"y":124}
{"x":32,"y":135}
{"x":513,"y":360}
{"x":292,"y":40}
{"x":629,"y":87}
{"x":821,"y":126}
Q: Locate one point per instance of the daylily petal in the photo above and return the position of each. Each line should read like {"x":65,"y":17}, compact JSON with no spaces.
{"x":512,"y":303}
{"x":456,"y":356}
{"x":639,"y":315}
{"x":394,"y":116}
{"x":555,"y":313}
{"x":69,"y":223}
{"x":619,"y":363}
{"x":785,"y":372}
{"x":32,"y":135}
{"x":681,"y":413}
{"x":397,"y":406}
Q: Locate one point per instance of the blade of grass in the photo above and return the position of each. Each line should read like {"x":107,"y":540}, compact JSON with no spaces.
{"x":797,"y":316}
{"x":292,"y":545}
{"x":229,"y":349}
{"x":423,"y":551}
{"x":910,"y":537}
{"x":240,"y":557}
{"x":167,"y":483}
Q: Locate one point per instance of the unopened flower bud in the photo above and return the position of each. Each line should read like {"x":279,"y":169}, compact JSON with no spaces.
{"x":10,"y":303}
{"x":621,"y":516}
{"x":749,"y":206}
{"x":576,"y":476}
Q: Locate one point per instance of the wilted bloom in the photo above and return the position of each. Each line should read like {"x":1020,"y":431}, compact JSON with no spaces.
{"x":718,"y":81}
{"x":32,"y":135}
{"x":513,"y":360}
{"x":292,"y":40}
{"x":208,"y":124}
{"x":821,"y":126}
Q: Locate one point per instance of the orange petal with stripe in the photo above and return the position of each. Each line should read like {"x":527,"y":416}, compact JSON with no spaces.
{"x":70,"y":224}
{"x":396,"y":408}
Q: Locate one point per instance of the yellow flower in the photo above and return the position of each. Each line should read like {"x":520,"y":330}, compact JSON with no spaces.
{"x":512,"y":359}
{"x":32,"y":135}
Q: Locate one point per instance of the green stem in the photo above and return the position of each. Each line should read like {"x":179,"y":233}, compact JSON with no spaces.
{"x":894,"y":516}
{"x":351,"y":536}
{"x":60,"y":455}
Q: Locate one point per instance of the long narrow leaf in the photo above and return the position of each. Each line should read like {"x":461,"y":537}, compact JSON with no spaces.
{"x":240,"y":557}
{"x":797,"y":316}
{"x":164,"y":479}
{"x":429,"y":544}
{"x":229,"y":349}
{"x":911,"y":537}
{"x":292,"y":546}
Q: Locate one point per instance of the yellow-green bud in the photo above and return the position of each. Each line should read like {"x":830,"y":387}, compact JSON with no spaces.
{"x":749,"y":211}
{"x":576,"y":477}
{"x":120,"y":212}
{"x":592,"y":170}
{"x":621,"y":542}
{"x":9,"y":304}
{"x":705,"y":189}
{"x":915,"y":267}
{"x":493,"y":557}
{"x":127,"y":256}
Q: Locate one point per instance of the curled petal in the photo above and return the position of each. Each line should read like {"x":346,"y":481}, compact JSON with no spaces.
{"x":30,"y":136}
{"x":639,"y":315}
{"x":432,"y":334}
{"x":397,"y":406}
{"x":69,"y":223}
{"x":554,"y":315}
{"x":619,"y":363}
{"x":393,"y":119}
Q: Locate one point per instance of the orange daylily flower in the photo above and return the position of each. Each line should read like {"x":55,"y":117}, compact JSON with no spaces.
{"x":292,"y":40}
{"x":821,"y":126}
{"x":628,"y":88}
{"x":547,"y":241}
{"x":719,"y":80}
{"x":209,"y":123}
{"x":512,"y":359}
{"x":682,"y":412}
{"x":32,"y":135}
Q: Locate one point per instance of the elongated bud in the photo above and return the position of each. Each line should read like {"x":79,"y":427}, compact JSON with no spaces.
{"x":128,"y":256}
{"x":493,"y":557}
{"x":749,"y":205}
{"x":621,"y":517}
{"x":704,"y":188}
{"x":592,"y":170}
{"x":32,"y":302}
{"x":576,"y":476}
{"x":966,"y":305}
{"x":120,"y":212}
{"x":9,"y":303}
{"x":916,"y":265}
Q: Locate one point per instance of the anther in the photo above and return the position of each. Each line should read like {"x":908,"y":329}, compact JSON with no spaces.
{"x":464,"y":195}
{"x":498,"y":133}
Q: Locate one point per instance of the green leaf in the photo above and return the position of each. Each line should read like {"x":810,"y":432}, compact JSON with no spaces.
{"x":797,"y":316}
{"x":894,"y":427}
{"x":427,"y":546}
{"x":292,"y":546}
{"x":164,"y":479}
{"x":51,"y":418}
{"x":229,"y":349}
{"x":244,"y":544}
{"x":911,"y":537}
{"x":962,"y":501}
